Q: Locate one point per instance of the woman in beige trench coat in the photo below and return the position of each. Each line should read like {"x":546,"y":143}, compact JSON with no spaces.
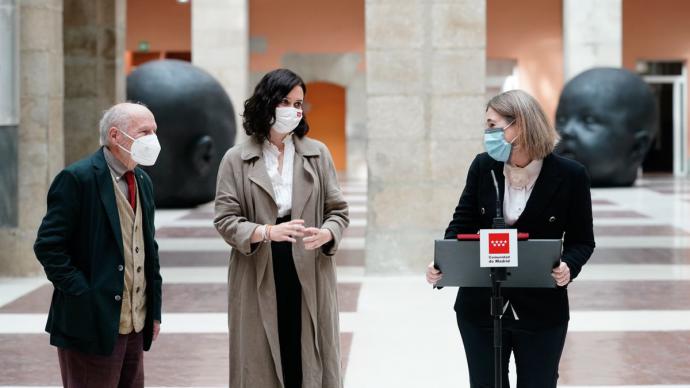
{"x":279,"y":206}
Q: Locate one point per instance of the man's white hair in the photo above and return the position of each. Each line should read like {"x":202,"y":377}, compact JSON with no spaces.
{"x":118,"y":116}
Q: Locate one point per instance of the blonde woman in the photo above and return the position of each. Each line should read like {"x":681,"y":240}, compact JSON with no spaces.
{"x":544,"y":195}
{"x":279,"y":205}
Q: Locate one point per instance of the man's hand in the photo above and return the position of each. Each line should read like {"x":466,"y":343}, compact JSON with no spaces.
{"x":156,"y":329}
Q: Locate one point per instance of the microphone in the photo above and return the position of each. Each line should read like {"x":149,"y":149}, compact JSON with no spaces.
{"x":498,"y":222}
{"x":498,"y":274}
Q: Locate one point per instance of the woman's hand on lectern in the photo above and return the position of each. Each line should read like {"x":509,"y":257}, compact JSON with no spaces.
{"x":432,"y":274}
{"x":561,"y":274}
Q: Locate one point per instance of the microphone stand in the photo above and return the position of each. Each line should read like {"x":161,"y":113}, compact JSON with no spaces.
{"x":498,"y":275}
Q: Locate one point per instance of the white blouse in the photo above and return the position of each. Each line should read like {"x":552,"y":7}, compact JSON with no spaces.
{"x":518,"y":187}
{"x":281,"y":182}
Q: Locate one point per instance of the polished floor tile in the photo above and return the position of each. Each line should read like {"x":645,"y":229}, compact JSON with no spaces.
{"x":344,"y":257}
{"x":643,"y":231}
{"x":194,"y":259}
{"x":629,"y":295}
{"x":629,"y":358}
{"x":198,"y":215}
{"x":617,"y":214}
{"x":641,"y":256}
{"x":178,"y":298}
{"x":601,"y":202}
{"x":175,"y":360}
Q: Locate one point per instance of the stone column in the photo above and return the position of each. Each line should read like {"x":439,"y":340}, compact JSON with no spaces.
{"x":356,"y":127}
{"x":39,"y":138}
{"x":220,"y":45}
{"x":425,"y":105}
{"x":592,"y":35}
{"x":94,"y":48}
{"x":9,"y":111}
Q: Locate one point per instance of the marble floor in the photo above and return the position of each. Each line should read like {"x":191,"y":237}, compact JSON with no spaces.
{"x":630,"y":307}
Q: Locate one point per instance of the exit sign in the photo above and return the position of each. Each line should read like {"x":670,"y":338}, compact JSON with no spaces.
{"x":143,"y":46}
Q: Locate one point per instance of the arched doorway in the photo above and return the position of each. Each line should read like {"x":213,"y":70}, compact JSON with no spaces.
{"x":325,"y":110}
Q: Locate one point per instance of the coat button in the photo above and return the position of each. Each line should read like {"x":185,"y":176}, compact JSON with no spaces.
{"x":120,"y":268}
{"x":138,"y":288}
{"x":118,"y":298}
{"x":482,"y":211}
{"x":139,"y":269}
{"x":552,"y":219}
{"x":136,"y":249}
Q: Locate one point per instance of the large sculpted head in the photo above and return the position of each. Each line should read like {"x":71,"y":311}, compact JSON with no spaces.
{"x":606,"y":118}
{"x":196,"y":126}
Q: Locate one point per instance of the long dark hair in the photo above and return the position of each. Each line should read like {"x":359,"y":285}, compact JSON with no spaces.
{"x":259,"y":109}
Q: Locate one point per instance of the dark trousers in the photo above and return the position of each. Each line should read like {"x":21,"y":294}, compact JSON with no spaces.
{"x":537,"y":353}
{"x":122,"y":369}
{"x":289,"y":301}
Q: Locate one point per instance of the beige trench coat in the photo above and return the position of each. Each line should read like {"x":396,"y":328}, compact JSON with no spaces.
{"x":245,"y":200}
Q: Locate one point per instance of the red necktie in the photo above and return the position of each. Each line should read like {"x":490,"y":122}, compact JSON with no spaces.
{"x":131,"y":189}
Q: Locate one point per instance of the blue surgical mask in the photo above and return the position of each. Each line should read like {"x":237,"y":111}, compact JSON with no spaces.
{"x":496,"y":145}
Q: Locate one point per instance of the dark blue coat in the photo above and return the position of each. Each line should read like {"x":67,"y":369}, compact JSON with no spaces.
{"x":79,"y":244}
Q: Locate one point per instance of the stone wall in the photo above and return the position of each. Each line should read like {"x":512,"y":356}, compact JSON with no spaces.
{"x":40,"y":138}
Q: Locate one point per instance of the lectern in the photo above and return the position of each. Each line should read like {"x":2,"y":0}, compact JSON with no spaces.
{"x":459,"y":262}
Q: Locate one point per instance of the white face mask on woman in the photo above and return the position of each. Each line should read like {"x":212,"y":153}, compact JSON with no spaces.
{"x":145,"y":149}
{"x":287,"y":119}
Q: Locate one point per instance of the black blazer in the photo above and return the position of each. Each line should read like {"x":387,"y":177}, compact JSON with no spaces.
{"x":79,"y":244}
{"x":560,"y":206}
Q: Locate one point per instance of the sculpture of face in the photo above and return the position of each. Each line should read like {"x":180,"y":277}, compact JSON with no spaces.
{"x":606,"y":119}
{"x":196,"y":126}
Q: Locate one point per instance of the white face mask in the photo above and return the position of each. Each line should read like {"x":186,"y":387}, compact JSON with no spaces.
{"x":287,"y":119}
{"x":145,"y":149}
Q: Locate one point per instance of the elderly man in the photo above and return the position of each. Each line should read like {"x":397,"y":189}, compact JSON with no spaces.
{"x":96,"y":244}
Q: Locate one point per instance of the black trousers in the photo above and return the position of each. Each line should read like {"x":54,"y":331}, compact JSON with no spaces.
{"x":289,"y":301}
{"x":537,"y":353}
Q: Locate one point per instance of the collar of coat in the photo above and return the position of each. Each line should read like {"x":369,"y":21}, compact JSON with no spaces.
{"x":304,"y":175}
{"x":252,"y":149}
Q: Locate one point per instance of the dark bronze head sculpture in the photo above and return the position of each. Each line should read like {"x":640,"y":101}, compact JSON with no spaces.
{"x":606,"y":118}
{"x":196,"y":126}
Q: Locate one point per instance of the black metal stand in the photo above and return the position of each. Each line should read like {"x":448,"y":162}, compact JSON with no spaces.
{"x":498,"y":275}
